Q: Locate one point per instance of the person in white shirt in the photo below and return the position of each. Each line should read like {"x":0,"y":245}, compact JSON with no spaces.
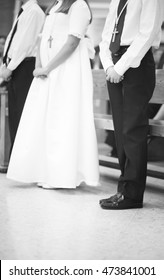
{"x":19,"y":59}
{"x":131,"y":29}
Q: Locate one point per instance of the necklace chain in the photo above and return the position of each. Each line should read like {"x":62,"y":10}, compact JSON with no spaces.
{"x":118,"y":17}
{"x":115,"y":31}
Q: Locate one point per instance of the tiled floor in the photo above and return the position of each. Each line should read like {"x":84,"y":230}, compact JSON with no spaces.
{"x":69,"y":224}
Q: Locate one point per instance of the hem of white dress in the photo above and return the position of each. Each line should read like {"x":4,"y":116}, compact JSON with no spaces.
{"x":49,"y":186}
{"x":89,"y":184}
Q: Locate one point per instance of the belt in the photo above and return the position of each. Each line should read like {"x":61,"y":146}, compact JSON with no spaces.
{"x":121,"y":51}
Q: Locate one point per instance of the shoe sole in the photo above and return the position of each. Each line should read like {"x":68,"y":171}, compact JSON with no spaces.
{"x":121,"y":208}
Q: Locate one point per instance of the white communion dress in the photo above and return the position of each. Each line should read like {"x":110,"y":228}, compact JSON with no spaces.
{"x":56,"y":141}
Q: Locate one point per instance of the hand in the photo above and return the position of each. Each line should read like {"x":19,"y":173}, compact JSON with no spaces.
{"x":5,"y":73}
{"x":113,"y":76}
{"x":40,"y":72}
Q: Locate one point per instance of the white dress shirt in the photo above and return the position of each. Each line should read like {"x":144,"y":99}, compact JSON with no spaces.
{"x":142,"y":30}
{"x":24,"y":41}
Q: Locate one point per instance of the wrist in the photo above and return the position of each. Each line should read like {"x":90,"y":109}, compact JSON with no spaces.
{"x":47,"y":70}
{"x":108,"y":69}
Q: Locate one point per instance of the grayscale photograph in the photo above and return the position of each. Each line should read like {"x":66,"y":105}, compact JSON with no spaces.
{"x":82,"y":130}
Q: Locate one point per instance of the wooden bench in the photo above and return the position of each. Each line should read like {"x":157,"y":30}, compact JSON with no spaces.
{"x":104,"y":121}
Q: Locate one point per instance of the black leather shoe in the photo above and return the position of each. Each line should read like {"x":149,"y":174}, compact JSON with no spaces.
{"x":111,"y":198}
{"x":119,"y":203}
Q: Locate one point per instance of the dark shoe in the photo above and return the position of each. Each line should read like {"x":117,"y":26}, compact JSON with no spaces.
{"x":120,"y":203}
{"x":111,"y":198}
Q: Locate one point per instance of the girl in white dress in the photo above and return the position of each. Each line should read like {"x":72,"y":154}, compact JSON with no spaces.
{"x":56,"y":143}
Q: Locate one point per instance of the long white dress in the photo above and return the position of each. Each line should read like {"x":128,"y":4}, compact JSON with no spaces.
{"x":56,"y":141}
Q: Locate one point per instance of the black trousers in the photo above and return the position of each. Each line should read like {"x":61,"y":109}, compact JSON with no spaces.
{"x":129,"y":102}
{"x":18,"y":88}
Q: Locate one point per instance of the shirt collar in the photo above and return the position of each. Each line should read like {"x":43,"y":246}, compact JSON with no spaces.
{"x":27,"y":4}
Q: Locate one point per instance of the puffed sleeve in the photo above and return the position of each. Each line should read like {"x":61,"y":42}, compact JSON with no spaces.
{"x":79,"y":18}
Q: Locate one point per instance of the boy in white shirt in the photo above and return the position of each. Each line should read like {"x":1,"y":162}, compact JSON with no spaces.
{"x":19,"y":59}
{"x":131,"y":29}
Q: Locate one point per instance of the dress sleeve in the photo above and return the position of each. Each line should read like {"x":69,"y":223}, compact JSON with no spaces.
{"x":79,"y":19}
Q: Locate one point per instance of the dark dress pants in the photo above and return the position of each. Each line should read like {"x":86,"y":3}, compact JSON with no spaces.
{"x":18,"y":88}
{"x":129,"y":102}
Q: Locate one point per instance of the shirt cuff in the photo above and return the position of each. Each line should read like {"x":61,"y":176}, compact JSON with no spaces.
{"x":12,"y":66}
{"x":120,"y":70}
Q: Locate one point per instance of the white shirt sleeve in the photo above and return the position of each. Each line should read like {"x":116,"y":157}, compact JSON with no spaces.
{"x":150,"y":22}
{"x":79,"y":19}
{"x":25,"y":38}
{"x":105,"y":53}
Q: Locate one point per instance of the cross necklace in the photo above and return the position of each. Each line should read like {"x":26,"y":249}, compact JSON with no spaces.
{"x":50,"y":41}
{"x":51,"y":38}
{"x":115,"y":31}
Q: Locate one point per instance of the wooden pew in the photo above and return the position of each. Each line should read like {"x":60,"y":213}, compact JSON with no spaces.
{"x":104,"y":121}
